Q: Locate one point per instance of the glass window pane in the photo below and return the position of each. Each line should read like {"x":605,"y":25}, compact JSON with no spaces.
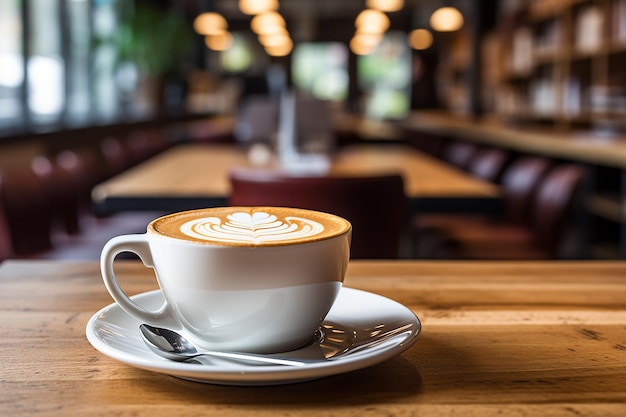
{"x":46,"y":84}
{"x":321,"y":69}
{"x":386,"y":77}
{"x":105,"y":55}
{"x":78,"y":104}
{"x":11,"y":64}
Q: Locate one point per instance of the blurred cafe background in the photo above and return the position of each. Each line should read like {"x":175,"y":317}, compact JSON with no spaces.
{"x":527,"y":95}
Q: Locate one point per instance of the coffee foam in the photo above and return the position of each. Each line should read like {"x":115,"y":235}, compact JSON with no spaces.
{"x":250,"y":226}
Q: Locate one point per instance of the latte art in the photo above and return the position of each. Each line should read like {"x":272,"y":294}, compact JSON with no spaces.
{"x":250,"y":226}
{"x":257,"y":227}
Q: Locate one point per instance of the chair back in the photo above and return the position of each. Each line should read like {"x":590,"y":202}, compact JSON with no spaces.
{"x":23,"y":197}
{"x":376,"y":206}
{"x":554,"y":205}
{"x":61,"y":193}
{"x":519,"y":185}
{"x":488,"y":164}
{"x":116,"y":156}
{"x":459,"y":154}
{"x":86,"y":167}
{"x":6,"y":247}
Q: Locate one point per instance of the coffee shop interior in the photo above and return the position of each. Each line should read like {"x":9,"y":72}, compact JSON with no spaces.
{"x":442,"y":129}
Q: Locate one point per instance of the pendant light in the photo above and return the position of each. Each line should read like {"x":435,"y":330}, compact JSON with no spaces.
{"x":446,"y":19}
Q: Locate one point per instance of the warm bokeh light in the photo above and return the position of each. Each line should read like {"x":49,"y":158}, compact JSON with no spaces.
{"x":210,"y":23}
{"x":264,"y":22}
{"x":420,"y":39}
{"x":274,"y":40}
{"x":369,"y":40}
{"x":359,"y":48}
{"x":219,"y":42}
{"x":372,"y":21}
{"x":446,"y":19}
{"x":273,"y":30}
{"x":385,"y":5}
{"x":252,"y":7}
{"x":281,"y":50}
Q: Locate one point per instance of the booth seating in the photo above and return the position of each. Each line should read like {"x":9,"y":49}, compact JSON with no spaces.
{"x":27,"y":210}
{"x":6,"y":247}
{"x":538,"y":224}
{"x":61,"y":193}
{"x":489,"y":164}
{"x":460,"y":154}
{"x":45,"y":206}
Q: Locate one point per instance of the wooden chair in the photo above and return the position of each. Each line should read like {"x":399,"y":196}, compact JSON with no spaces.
{"x":376,"y":206}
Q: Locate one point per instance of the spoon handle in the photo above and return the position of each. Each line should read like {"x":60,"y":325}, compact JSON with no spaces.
{"x":250,"y":357}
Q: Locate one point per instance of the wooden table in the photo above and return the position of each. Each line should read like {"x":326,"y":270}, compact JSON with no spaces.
{"x":192,"y":176}
{"x":505,"y":339}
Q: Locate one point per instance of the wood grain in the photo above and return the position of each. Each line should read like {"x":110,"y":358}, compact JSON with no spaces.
{"x":514,"y":339}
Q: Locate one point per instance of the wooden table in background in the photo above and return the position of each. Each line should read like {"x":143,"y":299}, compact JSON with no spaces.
{"x":192,"y":176}
{"x":505,"y":339}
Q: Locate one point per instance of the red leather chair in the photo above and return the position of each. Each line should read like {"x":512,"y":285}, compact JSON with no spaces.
{"x":488,"y":164}
{"x":459,"y":154}
{"x":116,"y":156}
{"x":61,"y":193}
{"x":520,"y":181}
{"x":6,"y":247}
{"x":376,"y":206}
{"x":87,"y":168}
{"x":543,"y":236}
{"x":23,"y":197}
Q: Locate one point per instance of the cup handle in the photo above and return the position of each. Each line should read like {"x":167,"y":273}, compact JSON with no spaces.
{"x":137,"y":244}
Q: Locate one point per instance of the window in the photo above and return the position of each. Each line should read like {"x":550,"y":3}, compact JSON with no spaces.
{"x":11,"y":65}
{"x":45,"y":64}
{"x":385,"y":76}
{"x":321,"y":69}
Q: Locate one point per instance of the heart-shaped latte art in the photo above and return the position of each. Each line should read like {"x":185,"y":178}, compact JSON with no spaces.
{"x":257,"y":227}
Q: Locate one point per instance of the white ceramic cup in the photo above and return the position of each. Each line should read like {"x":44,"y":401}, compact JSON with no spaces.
{"x":255,"y":279}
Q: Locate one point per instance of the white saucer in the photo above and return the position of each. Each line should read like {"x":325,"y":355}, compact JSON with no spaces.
{"x":361,"y":329}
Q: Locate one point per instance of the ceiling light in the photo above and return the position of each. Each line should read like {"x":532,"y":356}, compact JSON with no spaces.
{"x":282,"y":50}
{"x":420,"y":39}
{"x":219,"y":42}
{"x":274,"y":40}
{"x":372,"y":21}
{"x":210,"y":23}
{"x":361,"y":48}
{"x":446,"y":19}
{"x":252,"y":7}
{"x":260,"y":23}
{"x":371,"y":40}
{"x":385,"y":5}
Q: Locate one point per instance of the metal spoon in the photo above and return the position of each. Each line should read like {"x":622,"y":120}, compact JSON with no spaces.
{"x":171,"y":345}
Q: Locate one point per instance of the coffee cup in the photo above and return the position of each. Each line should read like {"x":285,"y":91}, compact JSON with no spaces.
{"x":253,"y":279}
